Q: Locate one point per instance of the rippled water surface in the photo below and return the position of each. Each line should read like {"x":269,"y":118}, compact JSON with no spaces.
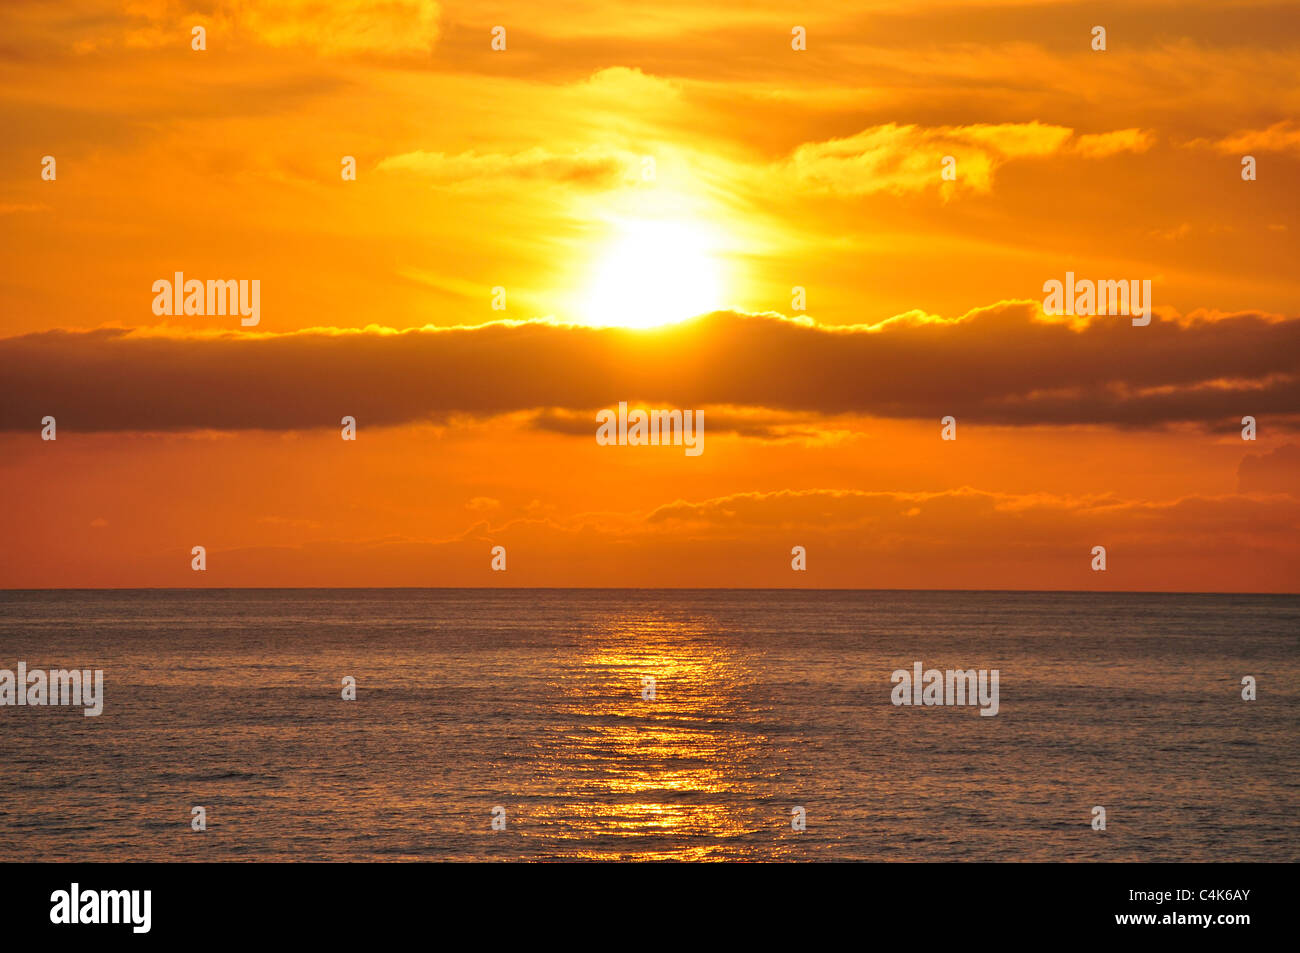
{"x":764,"y":700}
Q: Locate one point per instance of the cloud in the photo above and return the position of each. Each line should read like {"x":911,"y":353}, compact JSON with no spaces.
{"x":1282,"y":136}
{"x":894,"y":158}
{"x":907,"y":521}
{"x":1102,"y":145}
{"x":760,"y":424}
{"x":1277,"y":471}
{"x":1004,"y":364}
{"x":969,"y":537}
{"x":339,"y":27}
{"x":342,"y":26}
{"x":591,"y":168}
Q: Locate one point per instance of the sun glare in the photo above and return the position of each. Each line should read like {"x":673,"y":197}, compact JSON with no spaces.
{"x":654,"y":272}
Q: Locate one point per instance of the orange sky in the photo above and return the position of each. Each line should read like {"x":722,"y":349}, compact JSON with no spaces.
{"x":648,"y":182}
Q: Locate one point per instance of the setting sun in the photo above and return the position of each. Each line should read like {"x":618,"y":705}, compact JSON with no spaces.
{"x":654,"y":272}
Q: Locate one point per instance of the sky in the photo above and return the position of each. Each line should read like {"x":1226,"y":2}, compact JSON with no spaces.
{"x":826,"y":251}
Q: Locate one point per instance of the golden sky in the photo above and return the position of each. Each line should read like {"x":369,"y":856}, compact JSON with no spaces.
{"x":648,"y":182}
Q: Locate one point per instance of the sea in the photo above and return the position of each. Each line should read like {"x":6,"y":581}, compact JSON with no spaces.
{"x":644,"y":724}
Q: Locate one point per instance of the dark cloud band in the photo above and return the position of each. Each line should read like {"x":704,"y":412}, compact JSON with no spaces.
{"x":1000,"y":365}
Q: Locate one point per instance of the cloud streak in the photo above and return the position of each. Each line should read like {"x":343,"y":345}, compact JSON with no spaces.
{"x":894,"y":158}
{"x":1005,"y":364}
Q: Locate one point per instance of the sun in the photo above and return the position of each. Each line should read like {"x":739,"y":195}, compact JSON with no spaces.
{"x":654,"y":272}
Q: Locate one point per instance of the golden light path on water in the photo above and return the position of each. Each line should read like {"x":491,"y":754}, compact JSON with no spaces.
{"x":674,"y":776}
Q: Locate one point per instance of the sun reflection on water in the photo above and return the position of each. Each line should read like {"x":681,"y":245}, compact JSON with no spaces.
{"x":676,"y":777}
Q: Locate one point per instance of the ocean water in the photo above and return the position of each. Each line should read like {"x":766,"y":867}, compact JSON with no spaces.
{"x":531,"y":700}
